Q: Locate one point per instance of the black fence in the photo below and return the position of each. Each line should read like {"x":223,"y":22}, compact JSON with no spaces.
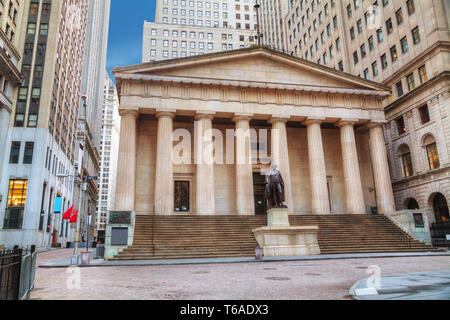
{"x":17,"y":273}
{"x":439,"y":232}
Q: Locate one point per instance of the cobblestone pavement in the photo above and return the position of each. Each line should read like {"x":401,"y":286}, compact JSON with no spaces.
{"x":291,"y":280}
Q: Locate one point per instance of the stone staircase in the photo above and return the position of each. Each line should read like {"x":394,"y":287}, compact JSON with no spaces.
{"x":183,"y":237}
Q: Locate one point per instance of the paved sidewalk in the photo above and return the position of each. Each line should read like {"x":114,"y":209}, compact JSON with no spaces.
{"x":66,"y":261}
{"x":427,"y":285}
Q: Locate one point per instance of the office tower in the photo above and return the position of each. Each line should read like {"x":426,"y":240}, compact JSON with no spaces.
{"x":403,"y":44}
{"x":41,"y":141}
{"x":188,"y":28}
{"x":89,"y":130}
{"x":109,"y":150}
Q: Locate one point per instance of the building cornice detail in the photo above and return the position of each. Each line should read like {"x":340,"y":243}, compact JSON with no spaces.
{"x":246,"y":84}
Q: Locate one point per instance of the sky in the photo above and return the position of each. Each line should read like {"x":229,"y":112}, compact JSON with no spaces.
{"x":125,"y":31}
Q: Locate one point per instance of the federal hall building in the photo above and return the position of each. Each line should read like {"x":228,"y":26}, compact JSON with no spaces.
{"x":324,"y":132}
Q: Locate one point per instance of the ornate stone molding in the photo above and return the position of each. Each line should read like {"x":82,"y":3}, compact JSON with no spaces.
{"x":129,"y":113}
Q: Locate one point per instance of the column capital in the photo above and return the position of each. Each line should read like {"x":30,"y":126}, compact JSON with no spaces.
{"x":278,"y":119}
{"x":346,"y":122}
{"x":310,"y":120}
{"x":204,"y":115}
{"x":129,"y":113}
{"x":167,"y":114}
{"x":242,"y":116}
{"x":374,"y":124}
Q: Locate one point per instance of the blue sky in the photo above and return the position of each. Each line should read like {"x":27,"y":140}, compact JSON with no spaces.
{"x":125,"y":31}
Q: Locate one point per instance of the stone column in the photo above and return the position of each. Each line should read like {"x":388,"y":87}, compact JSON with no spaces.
{"x":319,"y":191}
{"x":164,"y":188}
{"x":205,"y":164}
{"x":245,"y":203}
{"x":383,"y":185}
{"x":280,"y":156}
{"x":126,"y":162}
{"x":353,"y":187}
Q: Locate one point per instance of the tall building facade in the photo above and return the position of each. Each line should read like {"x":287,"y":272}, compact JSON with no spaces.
{"x":10,"y":77}
{"x":41,"y":142}
{"x":187,"y":28}
{"x":109,"y":150}
{"x":405,"y":45}
{"x":89,"y":129}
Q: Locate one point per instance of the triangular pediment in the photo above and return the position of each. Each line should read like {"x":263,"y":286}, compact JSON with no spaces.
{"x":257,"y":64}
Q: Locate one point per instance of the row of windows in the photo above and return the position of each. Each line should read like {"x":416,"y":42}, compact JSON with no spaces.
{"x":201,"y":45}
{"x":432,"y":156}
{"x":411,"y":82}
{"x":15,"y":152}
{"x":208,"y":23}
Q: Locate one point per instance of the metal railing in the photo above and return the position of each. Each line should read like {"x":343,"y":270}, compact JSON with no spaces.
{"x":17,"y":273}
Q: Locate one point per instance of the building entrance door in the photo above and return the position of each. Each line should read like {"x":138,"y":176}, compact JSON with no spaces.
{"x":258,"y":189}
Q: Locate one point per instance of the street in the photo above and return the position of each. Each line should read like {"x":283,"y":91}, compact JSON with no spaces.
{"x":290,"y":280}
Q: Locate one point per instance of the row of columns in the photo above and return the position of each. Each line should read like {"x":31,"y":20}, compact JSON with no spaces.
{"x":205,"y":197}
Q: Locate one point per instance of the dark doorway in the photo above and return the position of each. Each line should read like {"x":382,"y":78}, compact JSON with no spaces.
{"x":258,"y":189}
{"x":440,"y":208}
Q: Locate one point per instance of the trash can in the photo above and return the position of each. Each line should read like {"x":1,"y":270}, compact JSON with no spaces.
{"x":100,"y":251}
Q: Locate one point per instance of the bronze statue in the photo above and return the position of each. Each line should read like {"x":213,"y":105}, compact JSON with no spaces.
{"x":274,"y":191}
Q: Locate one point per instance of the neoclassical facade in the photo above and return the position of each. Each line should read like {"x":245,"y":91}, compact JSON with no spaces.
{"x":324,"y":132}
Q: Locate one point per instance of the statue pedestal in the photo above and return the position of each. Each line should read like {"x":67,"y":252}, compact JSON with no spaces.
{"x":280,"y":239}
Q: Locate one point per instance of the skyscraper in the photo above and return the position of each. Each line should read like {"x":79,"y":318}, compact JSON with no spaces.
{"x":89,"y":128}
{"x":109,"y":150}
{"x":187,"y":28}
{"x":403,"y":44}
{"x":41,"y":140}
{"x":10,"y":76}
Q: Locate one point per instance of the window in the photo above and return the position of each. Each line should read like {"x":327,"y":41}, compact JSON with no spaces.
{"x":380,"y":35}
{"x":43,"y":30}
{"x":23,"y":94}
{"x":359,"y":26}
{"x":423,"y":74}
{"x":28,"y":154}
{"x":400,"y":126}
{"x":341,"y":66}
{"x":433,"y":157}
{"x":389,"y":27}
{"x":404,"y":44}
{"x":416,"y":35}
{"x":15,"y":152}
{"x":424,"y":114}
{"x":383,"y":61}
{"x":399,"y":87}
{"x":32,"y":120}
{"x":371,"y":45}
{"x":410,"y":6}
{"x":355,"y":57}
{"x":410,"y":80}
{"x":407,"y":164}
{"x":363,"y":50}
{"x":399,"y":16}
{"x":181,"y":196}
{"x":349,"y":11}
{"x":16,"y":202}
{"x":31,"y":28}
{"x":20,"y":120}
{"x":394,"y":55}
{"x":352,"y":33}
{"x":366,"y":74}
{"x":375,"y":69}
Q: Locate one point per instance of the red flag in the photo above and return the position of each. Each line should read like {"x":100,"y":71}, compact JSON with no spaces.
{"x":73,"y":219}
{"x":68,"y":213}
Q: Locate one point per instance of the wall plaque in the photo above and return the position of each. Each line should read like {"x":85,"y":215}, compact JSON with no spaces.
{"x":120,"y":217}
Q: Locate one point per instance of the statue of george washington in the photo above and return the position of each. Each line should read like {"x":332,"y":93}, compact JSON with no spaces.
{"x":274,"y":192}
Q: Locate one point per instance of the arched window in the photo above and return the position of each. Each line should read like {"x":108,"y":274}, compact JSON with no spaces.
{"x":429,"y":143}
{"x":405,"y":156}
{"x":411,"y":204}
{"x":440,"y":208}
